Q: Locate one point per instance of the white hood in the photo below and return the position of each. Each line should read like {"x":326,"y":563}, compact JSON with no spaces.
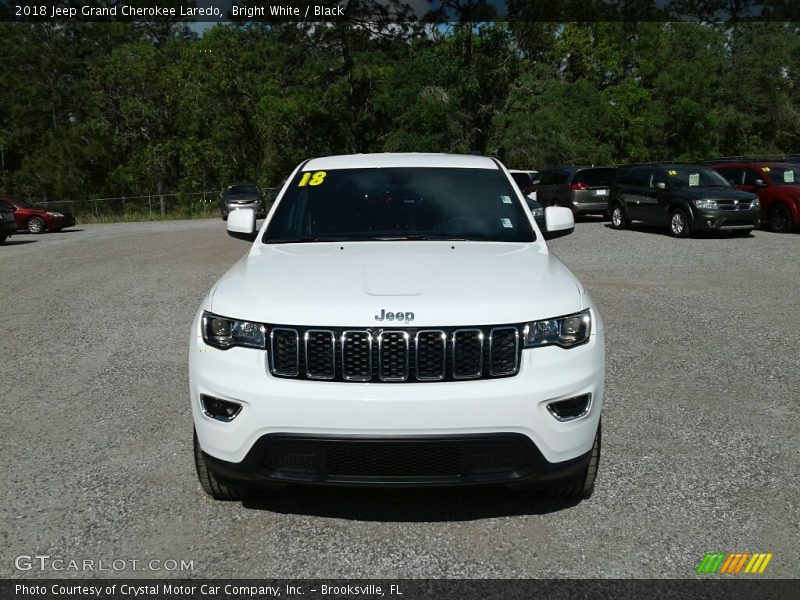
{"x":442,"y":283}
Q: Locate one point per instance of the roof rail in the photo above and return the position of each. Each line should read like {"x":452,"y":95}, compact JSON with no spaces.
{"x":755,"y":158}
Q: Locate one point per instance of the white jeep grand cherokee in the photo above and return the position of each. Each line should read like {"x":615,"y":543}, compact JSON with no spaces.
{"x":398,"y":321}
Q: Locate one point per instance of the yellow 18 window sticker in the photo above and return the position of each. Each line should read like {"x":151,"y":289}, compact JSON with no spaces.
{"x":672,"y":172}
{"x":312,"y":178}
{"x":765,"y":169}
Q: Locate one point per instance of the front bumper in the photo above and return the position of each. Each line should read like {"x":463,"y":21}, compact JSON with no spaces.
{"x":385,"y":413}
{"x":419,"y":461}
{"x":258,"y":207}
{"x":725,"y":220}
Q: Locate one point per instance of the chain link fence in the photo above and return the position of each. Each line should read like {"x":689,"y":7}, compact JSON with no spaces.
{"x":151,"y":206}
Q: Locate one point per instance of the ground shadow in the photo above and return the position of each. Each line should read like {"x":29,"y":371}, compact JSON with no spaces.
{"x":591,"y":218}
{"x":18,"y":242}
{"x":48,"y":232}
{"x":411,"y":505}
{"x":664,"y":231}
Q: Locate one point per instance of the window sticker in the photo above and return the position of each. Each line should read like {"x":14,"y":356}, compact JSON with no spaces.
{"x":788,"y":176}
{"x":694,"y":179}
{"x":506,"y":223}
{"x":672,"y":172}
{"x":506,"y":199}
{"x":312,"y":178}
{"x":765,"y":169}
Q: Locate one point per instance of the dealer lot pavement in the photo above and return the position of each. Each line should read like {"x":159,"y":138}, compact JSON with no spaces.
{"x":700,"y":446}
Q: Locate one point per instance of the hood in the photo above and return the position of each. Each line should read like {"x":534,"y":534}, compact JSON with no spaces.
{"x":716,"y":193}
{"x":441,"y":283}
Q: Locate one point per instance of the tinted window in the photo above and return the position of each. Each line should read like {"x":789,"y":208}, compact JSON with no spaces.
{"x":787,"y":175}
{"x":694,"y":176}
{"x":657,"y":176}
{"x":595,"y":177}
{"x":554,"y":177}
{"x":5,"y":204}
{"x":523,"y":180}
{"x":637,"y":176}
{"x":428,"y":203}
{"x":733,"y":174}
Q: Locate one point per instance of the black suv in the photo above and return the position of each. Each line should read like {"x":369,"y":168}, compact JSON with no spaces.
{"x":242,"y":195}
{"x":683,"y":197}
{"x":582,"y":189}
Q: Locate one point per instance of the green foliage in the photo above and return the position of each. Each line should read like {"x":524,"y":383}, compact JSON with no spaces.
{"x":92,"y":110}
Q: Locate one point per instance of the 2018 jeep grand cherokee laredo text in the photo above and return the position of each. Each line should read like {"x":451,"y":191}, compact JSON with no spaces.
{"x":398,"y":321}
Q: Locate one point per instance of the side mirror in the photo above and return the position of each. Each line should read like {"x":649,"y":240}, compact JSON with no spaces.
{"x":660,"y":185}
{"x":242,"y":224}
{"x":559,"y":221}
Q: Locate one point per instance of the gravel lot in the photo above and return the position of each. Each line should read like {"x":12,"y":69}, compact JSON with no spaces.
{"x":700,"y":448}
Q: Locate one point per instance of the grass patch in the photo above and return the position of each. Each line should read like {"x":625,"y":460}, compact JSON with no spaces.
{"x":134,"y":217}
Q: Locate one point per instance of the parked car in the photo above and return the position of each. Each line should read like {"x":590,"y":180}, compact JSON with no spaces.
{"x":584,"y":190}
{"x":776,"y":184}
{"x":36,"y":219}
{"x":7,"y":225}
{"x":526,"y":181}
{"x":683,"y":197}
{"x":399,"y":322}
{"x":242,"y":195}
{"x":537,"y":210}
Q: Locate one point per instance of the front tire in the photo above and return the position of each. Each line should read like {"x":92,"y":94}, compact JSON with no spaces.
{"x":224,"y":216}
{"x":780,"y":220}
{"x":582,"y":485}
{"x":618,"y":218}
{"x":208,"y":481}
{"x":678,"y":224}
{"x":36,"y":225}
{"x":3,"y":238}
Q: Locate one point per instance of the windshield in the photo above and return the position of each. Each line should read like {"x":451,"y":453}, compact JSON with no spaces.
{"x":240,"y":190}
{"x":22,"y":203}
{"x":783,"y":175}
{"x":399,"y":203}
{"x":690,"y":176}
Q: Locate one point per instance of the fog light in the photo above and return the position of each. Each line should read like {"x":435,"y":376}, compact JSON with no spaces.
{"x":571,"y":408}
{"x":219,"y":410}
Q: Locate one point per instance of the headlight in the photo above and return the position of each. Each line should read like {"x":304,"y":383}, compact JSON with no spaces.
{"x":705,"y":203}
{"x":55,"y":214}
{"x":225,"y":333}
{"x":754,"y":203}
{"x":566,"y":332}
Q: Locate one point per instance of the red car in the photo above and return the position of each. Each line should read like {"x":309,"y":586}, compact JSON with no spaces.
{"x":776,"y":184}
{"x":36,"y":220}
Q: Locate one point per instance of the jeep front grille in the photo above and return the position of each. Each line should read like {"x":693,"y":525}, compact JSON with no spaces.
{"x":394,"y":355}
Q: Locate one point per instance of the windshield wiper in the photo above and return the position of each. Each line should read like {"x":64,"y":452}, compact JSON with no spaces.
{"x":304,"y":239}
{"x":419,"y":237}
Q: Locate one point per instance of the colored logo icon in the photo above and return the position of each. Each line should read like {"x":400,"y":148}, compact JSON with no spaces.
{"x":734,"y":563}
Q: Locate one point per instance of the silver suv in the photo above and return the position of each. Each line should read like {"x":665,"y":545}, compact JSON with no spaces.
{"x":583,"y":189}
